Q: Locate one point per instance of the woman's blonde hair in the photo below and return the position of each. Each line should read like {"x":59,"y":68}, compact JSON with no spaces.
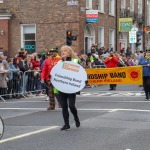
{"x":70,"y":51}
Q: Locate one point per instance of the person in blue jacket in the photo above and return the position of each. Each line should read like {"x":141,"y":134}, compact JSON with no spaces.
{"x":145,"y":62}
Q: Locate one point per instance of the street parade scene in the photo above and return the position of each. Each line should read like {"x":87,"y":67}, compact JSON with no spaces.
{"x":75,"y":75}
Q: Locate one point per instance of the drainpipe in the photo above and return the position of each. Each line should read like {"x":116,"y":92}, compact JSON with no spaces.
{"x":116,"y":25}
{"x":144,"y":24}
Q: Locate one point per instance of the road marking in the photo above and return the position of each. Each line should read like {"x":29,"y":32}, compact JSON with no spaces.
{"x":86,"y":100}
{"x":13,"y":102}
{"x":81,"y":109}
{"x":113,"y":94}
{"x":113,"y":110}
{"x":39,"y":109}
{"x":117,"y":109}
{"x":28,"y":134}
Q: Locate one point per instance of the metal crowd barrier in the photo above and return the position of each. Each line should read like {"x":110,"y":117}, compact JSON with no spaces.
{"x":32,"y":83}
{"x":99,"y":66}
{"x":23,"y":85}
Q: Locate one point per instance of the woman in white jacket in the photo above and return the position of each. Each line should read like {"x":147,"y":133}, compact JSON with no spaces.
{"x":3,"y":79}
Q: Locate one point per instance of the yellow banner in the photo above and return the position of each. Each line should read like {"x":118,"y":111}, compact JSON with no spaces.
{"x":120,"y":75}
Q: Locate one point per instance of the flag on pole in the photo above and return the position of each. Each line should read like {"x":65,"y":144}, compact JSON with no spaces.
{"x":145,"y":30}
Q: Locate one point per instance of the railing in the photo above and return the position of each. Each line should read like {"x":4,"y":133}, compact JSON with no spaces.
{"x":23,"y":85}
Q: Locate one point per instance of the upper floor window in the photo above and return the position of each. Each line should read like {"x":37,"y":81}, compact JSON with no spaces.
{"x":123,"y":4}
{"x":89,"y":4}
{"x":111,"y":7}
{"x":101,"y":5}
{"x":100,"y":37}
{"x":111,"y":39}
{"x":140,"y":5}
{"x":131,"y":5}
{"x":148,"y":13}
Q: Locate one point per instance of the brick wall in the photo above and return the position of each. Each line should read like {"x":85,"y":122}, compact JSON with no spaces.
{"x":53,"y":19}
{"x":4,"y":34}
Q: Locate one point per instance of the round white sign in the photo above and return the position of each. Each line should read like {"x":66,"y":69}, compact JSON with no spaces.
{"x":68,"y":77}
{"x":1,"y":127}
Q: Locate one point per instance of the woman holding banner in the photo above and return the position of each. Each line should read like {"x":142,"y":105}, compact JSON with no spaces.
{"x":145,"y":62}
{"x":67,"y":54}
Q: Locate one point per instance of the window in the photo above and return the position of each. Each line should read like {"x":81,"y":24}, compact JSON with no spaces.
{"x":111,"y":7}
{"x":28,"y":40}
{"x":123,"y":4}
{"x":140,"y":6}
{"x":100,"y":37}
{"x":1,"y":1}
{"x":89,"y":4}
{"x":132,"y":5}
{"x":111,"y":39}
{"x":101,"y":5}
{"x":148,"y":12}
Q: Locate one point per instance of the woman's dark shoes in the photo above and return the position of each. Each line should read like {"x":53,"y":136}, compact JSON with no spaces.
{"x":146,"y":99}
{"x":18,"y":97}
{"x":114,"y":88}
{"x":65,"y":128}
{"x":50,"y":108}
{"x":77,"y":123}
{"x":111,"y":89}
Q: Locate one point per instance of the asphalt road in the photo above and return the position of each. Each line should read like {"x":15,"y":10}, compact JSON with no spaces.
{"x":110,"y":120}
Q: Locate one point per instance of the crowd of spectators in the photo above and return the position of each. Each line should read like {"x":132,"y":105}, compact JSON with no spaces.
{"x":21,"y":74}
{"x":96,"y":58}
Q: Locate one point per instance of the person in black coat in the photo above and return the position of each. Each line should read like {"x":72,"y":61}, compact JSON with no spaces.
{"x":66,"y":99}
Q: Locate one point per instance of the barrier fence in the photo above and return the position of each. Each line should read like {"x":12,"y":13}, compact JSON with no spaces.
{"x":23,"y":85}
{"x":26,"y":84}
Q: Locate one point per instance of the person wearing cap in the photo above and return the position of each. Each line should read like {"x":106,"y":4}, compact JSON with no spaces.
{"x":145,"y":62}
{"x":111,"y":62}
{"x":50,"y":62}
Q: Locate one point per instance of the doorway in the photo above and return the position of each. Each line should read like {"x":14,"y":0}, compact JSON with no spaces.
{"x":89,"y":38}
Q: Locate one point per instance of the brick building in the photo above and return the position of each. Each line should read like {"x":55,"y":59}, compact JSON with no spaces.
{"x":38,"y":25}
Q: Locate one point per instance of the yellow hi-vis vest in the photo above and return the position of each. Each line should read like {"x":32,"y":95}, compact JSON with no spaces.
{"x":73,"y":60}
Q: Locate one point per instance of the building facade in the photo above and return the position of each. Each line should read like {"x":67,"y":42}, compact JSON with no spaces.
{"x":38,"y":25}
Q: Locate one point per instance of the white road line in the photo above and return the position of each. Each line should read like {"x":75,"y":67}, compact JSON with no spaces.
{"x":123,"y":101}
{"x":116,"y":91}
{"x":39,"y":109}
{"x":81,"y":109}
{"x":86,"y":100}
{"x":13,"y":102}
{"x":113,"y":110}
{"x":119,"y":95}
{"x":28,"y":134}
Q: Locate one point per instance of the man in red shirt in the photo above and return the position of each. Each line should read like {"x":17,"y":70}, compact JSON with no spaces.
{"x":50,"y":62}
{"x":111,"y":62}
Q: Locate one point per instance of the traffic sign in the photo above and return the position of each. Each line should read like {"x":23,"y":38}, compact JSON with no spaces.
{"x":132,"y":37}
